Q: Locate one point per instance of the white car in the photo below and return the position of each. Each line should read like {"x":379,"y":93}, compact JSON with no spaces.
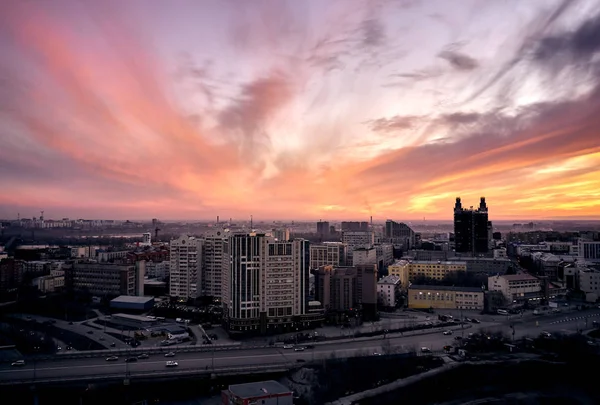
{"x":172,"y":364}
{"x":170,"y":354}
{"x":18,"y":363}
{"x":288,"y":346}
{"x":299,"y":349}
{"x":448,"y":332}
{"x":112,"y":358}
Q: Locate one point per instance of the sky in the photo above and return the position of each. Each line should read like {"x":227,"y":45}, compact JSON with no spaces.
{"x":312,"y":109}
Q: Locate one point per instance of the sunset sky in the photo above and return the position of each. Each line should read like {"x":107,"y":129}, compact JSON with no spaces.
{"x":189,"y":109}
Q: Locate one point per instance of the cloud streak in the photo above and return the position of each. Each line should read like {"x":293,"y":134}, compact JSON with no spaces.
{"x":290,"y":117}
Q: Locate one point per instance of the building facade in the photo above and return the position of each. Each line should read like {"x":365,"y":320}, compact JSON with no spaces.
{"x":101,"y":279}
{"x":471,"y":228}
{"x":409,"y":271}
{"x":445,"y":297}
{"x":388,"y":291}
{"x":267,"y":286}
{"x":185,"y":267}
{"x":212,"y":264}
{"x":516,"y":288}
{"x":328,"y":253}
{"x":399,"y":234}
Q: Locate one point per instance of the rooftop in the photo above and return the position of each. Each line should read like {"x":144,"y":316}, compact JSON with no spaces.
{"x":258,"y":389}
{"x":518,"y":277}
{"x":444,"y":288}
{"x":391,"y":279}
{"x":131,"y":299}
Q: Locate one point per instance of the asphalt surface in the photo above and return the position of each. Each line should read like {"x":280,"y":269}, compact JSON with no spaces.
{"x":69,"y":368}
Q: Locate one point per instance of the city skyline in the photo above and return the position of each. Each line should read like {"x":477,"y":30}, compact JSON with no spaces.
{"x":299,"y":110}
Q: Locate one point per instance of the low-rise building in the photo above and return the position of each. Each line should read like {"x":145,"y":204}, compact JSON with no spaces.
{"x":589,"y":283}
{"x":388,"y":291}
{"x":101,"y":279}
{"x":264,"y":392}
{"x":517,"y":288}
{"x":409,"y":271}
{"x":445,"y":297}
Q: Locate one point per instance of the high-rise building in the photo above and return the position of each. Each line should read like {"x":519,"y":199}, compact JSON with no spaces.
{"x":185,"y":267}
{"x":399,"y":234}
{"x":328,"y":253}
{"x":212,"y":264}
{"x":266,"y":288}
{"x":471,"y":228}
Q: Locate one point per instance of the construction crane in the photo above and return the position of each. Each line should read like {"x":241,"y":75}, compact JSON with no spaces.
{"x":156,"y":233}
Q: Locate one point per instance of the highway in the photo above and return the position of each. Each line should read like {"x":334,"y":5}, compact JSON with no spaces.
{"x":87,"y":367}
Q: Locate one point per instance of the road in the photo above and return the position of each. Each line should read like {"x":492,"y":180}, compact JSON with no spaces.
{"x":69,"y":368}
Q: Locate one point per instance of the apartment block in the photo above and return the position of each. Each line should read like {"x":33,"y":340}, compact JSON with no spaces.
{"x":388,"y":291}
{"x":185,"y":267}
{"x":212,"y":264}
{"x":267,"y":284}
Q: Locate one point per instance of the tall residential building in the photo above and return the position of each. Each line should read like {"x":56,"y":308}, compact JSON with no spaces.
{"x":186,"y":267}
{"x":212,"y":263}
{"x":399,"y":234}
{"x":266,"y":288}
{"x":471,"y":228}
{"x":589,"y":251}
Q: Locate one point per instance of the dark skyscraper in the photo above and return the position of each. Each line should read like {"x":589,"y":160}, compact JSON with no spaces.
{"x":471,"y":228}
{"x":323,"y":229}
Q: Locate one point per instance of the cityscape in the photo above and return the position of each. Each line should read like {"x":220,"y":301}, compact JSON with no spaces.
{"x":332,"y":202}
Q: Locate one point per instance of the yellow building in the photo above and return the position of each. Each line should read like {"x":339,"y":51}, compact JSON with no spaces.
{"x":444,"y":297}
{"x":408,"y":271}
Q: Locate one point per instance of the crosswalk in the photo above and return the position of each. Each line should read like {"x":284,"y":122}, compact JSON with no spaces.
{"x":576,"y":318}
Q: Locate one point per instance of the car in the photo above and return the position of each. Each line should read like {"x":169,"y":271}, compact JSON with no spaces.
{"x":447,"y":348}
{"x":447,"y":332}
{"x":475,"y":320}
{"x":18,"y":363}
{"x":299,"y":349}
{"x":376,"y":354}
{"x":172,"y":364}
{"x":143,"y":356}
{"x":112,"y":358}
{"x":113,"y":344}
{"x":425,"y":350}
{"x":170,"y":354}
{"x":288,"y":346}
{"x":90,"y":332}
{"x":546,"y":334}
{"x":131,"y":360}
{"x":309,"y":347}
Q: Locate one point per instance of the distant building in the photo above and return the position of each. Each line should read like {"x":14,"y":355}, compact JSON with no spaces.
{"x":323,"y":230}
{"x":281,"y":234}
{"x":589,"y":251}
{"x":328,"y":253}
{"x":444,"y":297}
{"x":101,"y":279}
{"x":265,"y":392}
{"x":471,"y":228}
{"x":399,"y":234}
{"x":353,"y":226}
{"x":146,"y":239}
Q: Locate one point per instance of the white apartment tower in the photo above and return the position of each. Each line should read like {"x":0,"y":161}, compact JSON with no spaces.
{"x":212,"y":263}
{"x":185,"y":267}
{"x":266,"y":286}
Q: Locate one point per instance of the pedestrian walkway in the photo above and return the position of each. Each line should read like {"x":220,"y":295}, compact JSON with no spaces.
{"x":577,"y":318}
